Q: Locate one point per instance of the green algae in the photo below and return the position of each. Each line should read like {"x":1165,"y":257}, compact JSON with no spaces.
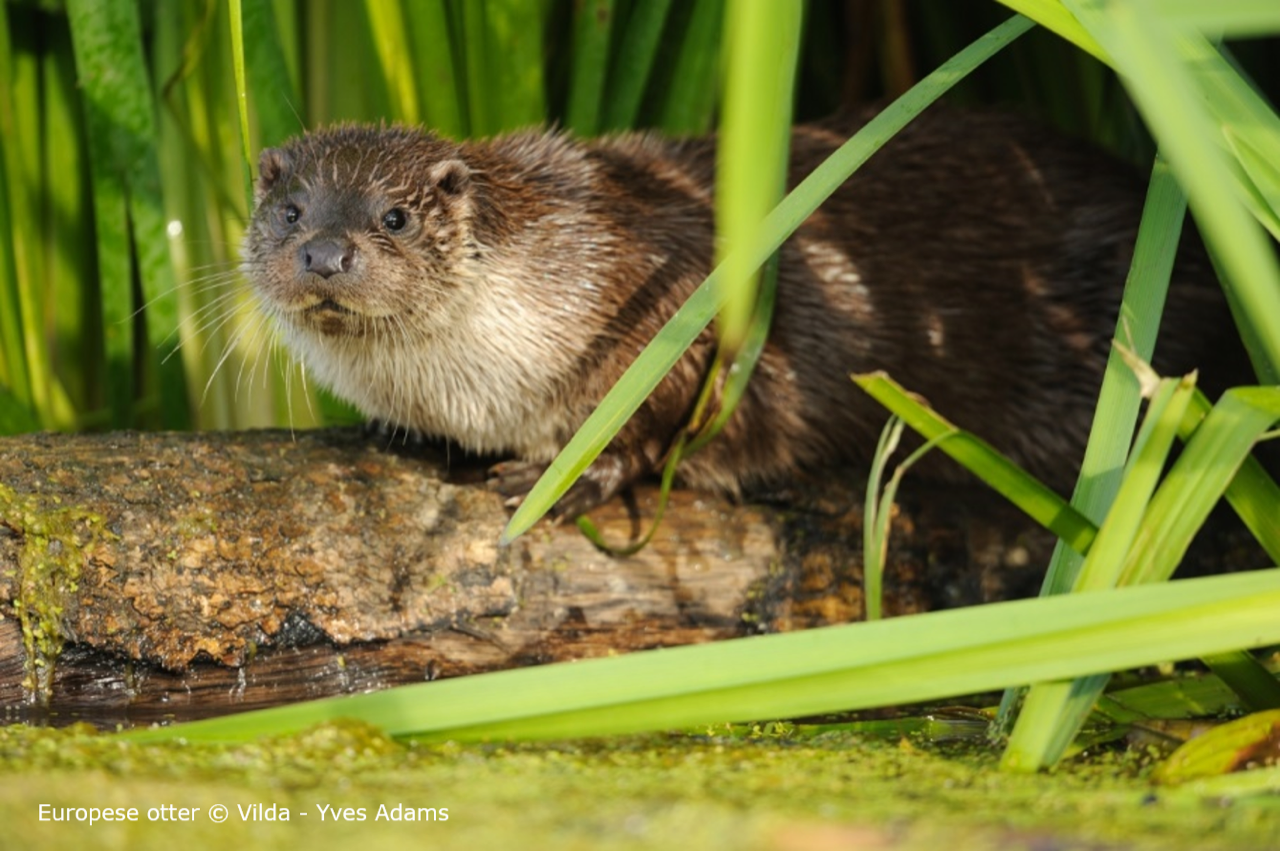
{"x":828,"y":790}
{"x":55,"y":542}
{"x":198,"y":523}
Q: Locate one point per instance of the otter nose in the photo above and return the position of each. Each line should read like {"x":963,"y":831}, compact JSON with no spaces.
{"x":327,"y":257}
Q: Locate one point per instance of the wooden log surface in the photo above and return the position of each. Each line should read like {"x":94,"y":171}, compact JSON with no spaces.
{"x":151,"y":575}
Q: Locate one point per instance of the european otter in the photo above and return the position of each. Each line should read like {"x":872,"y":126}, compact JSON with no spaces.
{"x":491,"y":292}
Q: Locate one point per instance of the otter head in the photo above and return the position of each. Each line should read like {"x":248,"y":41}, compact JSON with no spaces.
{"x":358,"y":230}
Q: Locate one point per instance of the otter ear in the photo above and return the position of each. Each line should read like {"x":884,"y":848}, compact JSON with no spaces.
{"x":450,"y":177}
{"x":274,"y":165}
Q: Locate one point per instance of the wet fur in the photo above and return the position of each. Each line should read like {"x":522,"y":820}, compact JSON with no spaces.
{"x":978,"y":258}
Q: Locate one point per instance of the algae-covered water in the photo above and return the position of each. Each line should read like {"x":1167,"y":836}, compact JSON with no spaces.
{"x":342,"y":784}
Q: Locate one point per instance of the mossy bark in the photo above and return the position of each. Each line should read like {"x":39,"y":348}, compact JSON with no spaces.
{"x":204,"y":573}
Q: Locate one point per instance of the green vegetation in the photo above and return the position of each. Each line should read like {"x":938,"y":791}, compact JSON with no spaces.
{"x":130,"y":128}
{"x":54,"y":539}
{"x":771,"y":788}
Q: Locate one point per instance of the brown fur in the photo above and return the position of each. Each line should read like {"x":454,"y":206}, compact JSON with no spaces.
{"x":977,"y":258}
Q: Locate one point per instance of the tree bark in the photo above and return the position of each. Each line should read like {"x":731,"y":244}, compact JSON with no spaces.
{"x":185,"y":575}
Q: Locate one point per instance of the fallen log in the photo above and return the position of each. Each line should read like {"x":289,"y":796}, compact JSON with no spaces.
{"x":152,"y":575}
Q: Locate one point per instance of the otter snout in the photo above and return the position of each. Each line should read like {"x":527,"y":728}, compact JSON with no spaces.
{"x":327,"y":257}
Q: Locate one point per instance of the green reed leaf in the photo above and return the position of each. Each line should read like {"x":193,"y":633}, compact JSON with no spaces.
{"x":901,"y":660}
{"x":633,"y":64}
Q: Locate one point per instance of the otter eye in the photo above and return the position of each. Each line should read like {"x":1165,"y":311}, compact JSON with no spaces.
{"x":395,"y":219}
{"x":292,"y":213}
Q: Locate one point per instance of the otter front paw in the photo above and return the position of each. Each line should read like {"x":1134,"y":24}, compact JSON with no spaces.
{"x":514,"y":479}
{"x":598,"y":484}
{"x":390,"y":433}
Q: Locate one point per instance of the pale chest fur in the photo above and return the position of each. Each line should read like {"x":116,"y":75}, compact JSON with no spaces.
{"x":491,"y":380}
